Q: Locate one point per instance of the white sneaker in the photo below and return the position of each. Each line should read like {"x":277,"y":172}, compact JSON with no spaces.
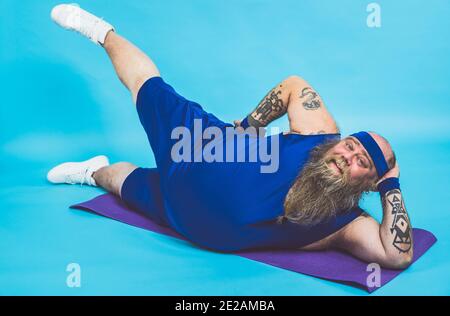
{"x":77,"y":172}
{"x":72,"y":17}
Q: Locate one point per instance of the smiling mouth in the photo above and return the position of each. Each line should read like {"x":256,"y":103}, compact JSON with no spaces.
{"x":337,"y":166}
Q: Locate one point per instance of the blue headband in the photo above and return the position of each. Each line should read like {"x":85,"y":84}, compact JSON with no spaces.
{"x":374,"y":151}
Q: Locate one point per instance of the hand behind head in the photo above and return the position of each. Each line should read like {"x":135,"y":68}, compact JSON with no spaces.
{"x":393,"y":173}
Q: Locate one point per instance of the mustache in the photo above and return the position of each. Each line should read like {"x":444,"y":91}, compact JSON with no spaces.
{"x":341,"y":164}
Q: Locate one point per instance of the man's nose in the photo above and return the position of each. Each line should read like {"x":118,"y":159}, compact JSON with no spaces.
{"x":348,"y":157}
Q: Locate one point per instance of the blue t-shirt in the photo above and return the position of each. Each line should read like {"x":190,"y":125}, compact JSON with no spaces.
{"x":224,"y":206}
{"x":231,"y":206}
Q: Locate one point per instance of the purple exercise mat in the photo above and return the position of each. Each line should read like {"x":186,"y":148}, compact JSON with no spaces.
{"x":330,"y":264}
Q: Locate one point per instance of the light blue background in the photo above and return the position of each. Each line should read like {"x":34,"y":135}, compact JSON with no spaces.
{"x":60,"y":101}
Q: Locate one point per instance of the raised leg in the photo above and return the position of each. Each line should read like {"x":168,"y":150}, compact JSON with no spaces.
{"x":132,"y":66}
{"x":111,"y":177}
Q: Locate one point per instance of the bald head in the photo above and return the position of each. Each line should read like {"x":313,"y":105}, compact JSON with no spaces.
{"x":386,"y":148}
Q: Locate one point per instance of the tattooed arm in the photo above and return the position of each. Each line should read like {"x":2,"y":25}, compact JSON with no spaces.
{"x":306,"y":112}
{"x":273,"y":106}
{"x":389,"y":244}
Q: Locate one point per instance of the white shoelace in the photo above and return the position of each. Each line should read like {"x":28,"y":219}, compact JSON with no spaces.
{"x":87,"y":26}
{"x":79,"y":177}
{"x":84,"y":23}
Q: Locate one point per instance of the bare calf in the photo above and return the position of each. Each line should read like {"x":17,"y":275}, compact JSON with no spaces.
{"x":112,"y":177}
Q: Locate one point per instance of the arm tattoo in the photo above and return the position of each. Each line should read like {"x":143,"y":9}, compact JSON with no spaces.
{"x":269,"y":109}
{"x":310,"y":99}
{"x":400,"y":227}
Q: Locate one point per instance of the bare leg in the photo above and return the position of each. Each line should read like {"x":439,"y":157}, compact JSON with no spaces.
{"x":132,"y":66}
{"x":111,"y":178}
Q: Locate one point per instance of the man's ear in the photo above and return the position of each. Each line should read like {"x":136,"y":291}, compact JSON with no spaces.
{"x":373,"y":185}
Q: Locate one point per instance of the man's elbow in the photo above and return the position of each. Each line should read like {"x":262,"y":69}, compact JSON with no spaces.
{"x":403,"y":263}
{"x":399,"y":261}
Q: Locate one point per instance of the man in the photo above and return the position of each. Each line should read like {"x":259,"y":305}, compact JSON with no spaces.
{"x":310,"y":202}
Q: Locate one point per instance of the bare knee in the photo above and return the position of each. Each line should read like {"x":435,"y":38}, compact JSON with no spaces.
{"x":116,"y":169}
{"x":123,"y":165}
{"x":139,"y":82}
{"x":124,"y":170}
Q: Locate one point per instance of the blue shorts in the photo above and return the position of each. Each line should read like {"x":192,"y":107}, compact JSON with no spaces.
{"x":160,"y":109}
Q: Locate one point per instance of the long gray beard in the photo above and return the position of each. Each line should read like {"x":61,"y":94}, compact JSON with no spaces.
{"x":318,"y":194}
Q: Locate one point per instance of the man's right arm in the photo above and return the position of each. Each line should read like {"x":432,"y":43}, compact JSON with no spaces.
{"x":273,"y":106}
{"x":306,"y":111}
{"x":389,"y":244}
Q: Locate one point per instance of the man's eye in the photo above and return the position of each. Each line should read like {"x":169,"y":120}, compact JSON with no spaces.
{"x":362,"y":163}
{"x":349,"y":146}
